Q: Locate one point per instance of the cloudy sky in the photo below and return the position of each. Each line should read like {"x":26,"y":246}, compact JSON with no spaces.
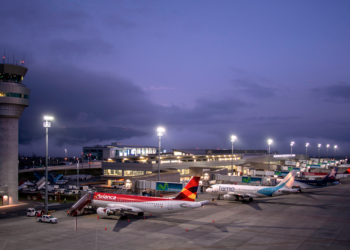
{"x":116,"y":70}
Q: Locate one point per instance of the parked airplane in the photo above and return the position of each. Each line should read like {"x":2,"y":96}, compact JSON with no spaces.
{"x":245,"y":191}
{"x":109,"y":204}
{"x":329,"y":179}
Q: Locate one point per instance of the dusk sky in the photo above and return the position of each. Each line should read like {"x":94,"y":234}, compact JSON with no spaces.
{"x":116,"y":70}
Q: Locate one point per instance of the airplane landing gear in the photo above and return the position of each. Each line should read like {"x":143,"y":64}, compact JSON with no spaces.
{"x":250,"y":199}
{"x":140,"y":214}
{"x":123,"y":217}
{"x":218,"y":197}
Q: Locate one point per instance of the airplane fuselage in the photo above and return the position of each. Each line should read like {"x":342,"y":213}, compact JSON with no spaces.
{"x":255,"y":191}
{"x":144,"y":204}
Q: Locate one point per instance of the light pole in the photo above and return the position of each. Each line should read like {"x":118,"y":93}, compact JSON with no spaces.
{"x":335,"y":150}
{"x":78,"y":174}
{"x":291,"y":147}
{"x":82,"y":161}
{"x":306,"y":145}
{"x":269,"y":141}
{"x":89,"y":157}
{"x":319,"y":147}
{"x":160,"y":132}
{"x":33,"y":164}
{"x":233,"y":138}
{"x":327,"y":151}
{"x":47,"y":124}
{"x":65,"y":167}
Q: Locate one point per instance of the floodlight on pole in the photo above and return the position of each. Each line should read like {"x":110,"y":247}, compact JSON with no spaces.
{"x":160,"y":132}
{"x":233,"y":138}
{"x":306,"y":145}
{"x":46,"y":125}
{"x":65,"y":155}
{"x":291,"y":147}
{"x":335,"y":150}
{"x":327,"y":150}
{"x":319,"y":147}
{"x":269,"y":142}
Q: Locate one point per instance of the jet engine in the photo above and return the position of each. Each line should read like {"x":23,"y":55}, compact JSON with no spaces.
{"x":104,"y":212}
{"x":230,"y":197}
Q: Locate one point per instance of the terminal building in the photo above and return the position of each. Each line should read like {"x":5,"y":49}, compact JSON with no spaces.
{"x":116,"y":150}
{"x":14,"y":98}
{"x":181,"y":164}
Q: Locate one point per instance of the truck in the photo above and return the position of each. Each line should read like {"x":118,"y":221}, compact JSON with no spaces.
{"x":47,"y":219}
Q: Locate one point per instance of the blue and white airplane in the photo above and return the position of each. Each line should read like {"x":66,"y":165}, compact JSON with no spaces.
{"x":328,"y":180}
{"x":235,"y":192}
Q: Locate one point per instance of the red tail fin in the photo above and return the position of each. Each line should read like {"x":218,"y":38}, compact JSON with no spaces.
{"x":189,"y":192}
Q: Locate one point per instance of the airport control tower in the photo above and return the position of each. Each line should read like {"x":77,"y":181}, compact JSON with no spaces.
{"x":14,"y":98}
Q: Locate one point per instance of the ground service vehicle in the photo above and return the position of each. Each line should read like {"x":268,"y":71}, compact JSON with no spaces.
{"x":32,"y":212}
{"x":47,"y":218}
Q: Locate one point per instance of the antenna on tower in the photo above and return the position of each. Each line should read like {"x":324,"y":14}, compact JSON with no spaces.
{"x":24,"y":59}
{"x":3,"y":58}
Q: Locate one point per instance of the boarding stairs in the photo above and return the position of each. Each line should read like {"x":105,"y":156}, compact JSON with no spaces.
{"x":41,"y":181}
{"x":78,"y":207}
{"x":42,"y":185}
{"x":24,"y":184}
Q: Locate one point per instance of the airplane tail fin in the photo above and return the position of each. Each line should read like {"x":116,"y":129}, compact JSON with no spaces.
{"x":347,"y":171}
{"x":331,"y":175}
{"x":189,"y":192}
{"x":288,"y":180}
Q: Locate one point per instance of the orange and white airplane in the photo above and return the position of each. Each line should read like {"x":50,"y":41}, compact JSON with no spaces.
{"x":108,"y":204}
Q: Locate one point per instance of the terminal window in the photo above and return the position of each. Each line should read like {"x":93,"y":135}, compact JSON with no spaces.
{"x":113,"y":172}
{"x":184,"y":171}
{"x":133,"y":173}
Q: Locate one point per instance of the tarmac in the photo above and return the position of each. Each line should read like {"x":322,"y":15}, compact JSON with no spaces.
{"x":314,"y":219}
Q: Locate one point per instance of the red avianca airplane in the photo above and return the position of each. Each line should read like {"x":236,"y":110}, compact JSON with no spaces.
{"x":109,"y":204}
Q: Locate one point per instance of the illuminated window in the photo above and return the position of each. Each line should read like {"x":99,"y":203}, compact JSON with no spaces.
{"x":183,"y":171}
{"x":10,"y":94}
{"x":113,"y":172}
{"x":133,"y":173}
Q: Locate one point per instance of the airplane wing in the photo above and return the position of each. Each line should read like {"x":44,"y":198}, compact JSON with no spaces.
{"x":204,"y":202}
{"x":238,"y":194}
{"x":120,"y":207}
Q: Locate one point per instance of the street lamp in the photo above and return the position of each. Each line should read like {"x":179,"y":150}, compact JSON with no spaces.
{"x":269,"y":141}
{"x":65,"y":167}
{"x":306,"y":145}
{"x":327,"y":151}
{"x":291,"y":147}
{"x":160,"y":132}
{"x":46,"y":125}
{"x":319,"y":147}
{"x":233,"y":138}
{"x":335,"y":150}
